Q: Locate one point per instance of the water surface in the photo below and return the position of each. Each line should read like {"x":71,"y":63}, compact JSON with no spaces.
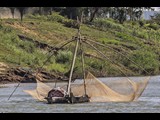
{"x":21,"y":102}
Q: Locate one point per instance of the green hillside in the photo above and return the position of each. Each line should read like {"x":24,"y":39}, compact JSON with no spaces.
{"x":138,"y":41}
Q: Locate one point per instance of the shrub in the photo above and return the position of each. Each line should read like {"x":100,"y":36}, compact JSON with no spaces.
{"x":141,"y":35}
{"x":146,"y":59}
{"x":141,"y":23}
{"x":7,"y":30}
{"x":96,"y":64}
{"x":146,"y":25}
{"x":134,"y":23}
{"x":55,"y":67}
{"x":56,"y":17}
{"x":64,"y":56}
{"x":125,"y":37}
{"x":37,"y":17}
{"x":154,"y":26}
{"x":71,"y":24}
{"x":109,"y":41}
{"x":1,"y":27}
{"x":104,"y":24}
{"x":31,"y":16}
{"x":27,"y":46}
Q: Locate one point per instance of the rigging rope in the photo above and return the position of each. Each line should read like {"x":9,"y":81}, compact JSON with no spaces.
{"x":119,"y":53}
{"x":113,"y":62}
{"x":40,"y":67}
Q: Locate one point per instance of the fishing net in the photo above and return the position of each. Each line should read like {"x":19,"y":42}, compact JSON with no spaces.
{"x":123,"y":90}
{"x":40,"y":92}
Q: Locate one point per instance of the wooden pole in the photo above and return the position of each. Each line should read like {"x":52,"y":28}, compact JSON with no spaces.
{"x":74,"y":57}
{"x":83,"y":68}
{"x":72,"y":66}
{"x":66,"y":44}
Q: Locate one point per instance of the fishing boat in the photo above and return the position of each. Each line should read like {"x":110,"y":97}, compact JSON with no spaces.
{"x":92,"y":89}
{"x":59,"y":95}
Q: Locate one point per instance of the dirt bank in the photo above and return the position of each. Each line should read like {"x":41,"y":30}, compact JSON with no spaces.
{"x":18,"y":74}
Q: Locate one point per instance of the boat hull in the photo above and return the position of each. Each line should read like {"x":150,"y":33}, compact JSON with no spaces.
{"x":71,"y":100}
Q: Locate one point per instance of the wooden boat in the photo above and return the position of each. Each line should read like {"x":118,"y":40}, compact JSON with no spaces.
{"x":61,"y":96}
{"x":58,"y":96}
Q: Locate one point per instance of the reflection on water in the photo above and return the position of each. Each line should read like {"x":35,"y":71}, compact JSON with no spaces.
{"x":22,"y":102}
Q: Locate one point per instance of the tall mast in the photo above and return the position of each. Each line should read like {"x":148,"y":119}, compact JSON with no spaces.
{"x":73,"y":63}
{"x":78,"y":40}
{"x":74,"y":59}
{"x":82,"y":57}
{"x":83,"y":67}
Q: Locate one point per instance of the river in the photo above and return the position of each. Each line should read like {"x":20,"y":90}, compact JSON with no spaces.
{"x":21,"y":102}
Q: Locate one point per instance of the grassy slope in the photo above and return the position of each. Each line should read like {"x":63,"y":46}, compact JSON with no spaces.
{"x":137,"y":43}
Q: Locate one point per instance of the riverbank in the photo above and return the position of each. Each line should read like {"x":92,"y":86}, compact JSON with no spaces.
{"x":30,"y":43}
{"x":10,"y":75}
{"x":26,"y":75}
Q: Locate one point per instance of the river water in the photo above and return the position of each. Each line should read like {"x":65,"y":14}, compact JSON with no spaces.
{"x":21,"y":102}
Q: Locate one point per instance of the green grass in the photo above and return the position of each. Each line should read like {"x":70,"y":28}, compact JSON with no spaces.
{"x":128,"y":38}
{"x":146,"y":59}
{"x":109,"y":41}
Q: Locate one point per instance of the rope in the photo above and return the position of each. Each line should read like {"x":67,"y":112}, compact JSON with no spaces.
{"x":40,"y":67}
{"x":17,"y":86}
{"x":105,"y":57}
{"x":119,"y":53}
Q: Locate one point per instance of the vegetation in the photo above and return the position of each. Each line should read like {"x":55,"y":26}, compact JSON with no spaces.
{"x":138,"y":41}
{"x":120,"y":14}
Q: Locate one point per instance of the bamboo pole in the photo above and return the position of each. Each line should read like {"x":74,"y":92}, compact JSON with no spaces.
{"x":66,"y":44}
{"x":17,"y":86}
{"x":74,"y":57}
{"x":72,"y":66}
{"x":83,"y":68}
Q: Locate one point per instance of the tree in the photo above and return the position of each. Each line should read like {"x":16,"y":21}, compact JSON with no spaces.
{"x":135,"y":13}
{"x":156,"y":18}
{"x":40,"y":10}
{"x":58,"y":9}
{"x":12,"y":11}
{"x":72,"y":12}
{"x":22,"y":11}
{"x":48,"y":10}
{"x":94,"y":11}
{"x":123,"y":13}
{"x":118,"y":13}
